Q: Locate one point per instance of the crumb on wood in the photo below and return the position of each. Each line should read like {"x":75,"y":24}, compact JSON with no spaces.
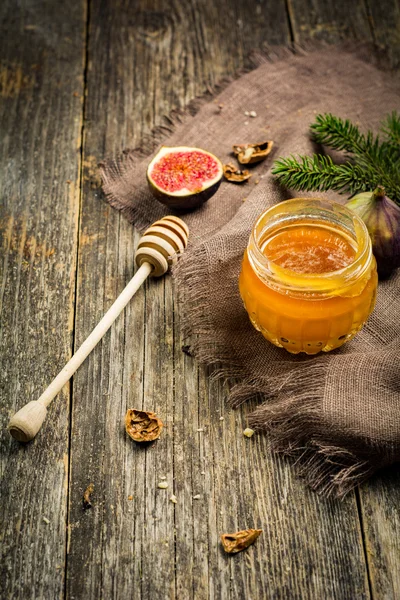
{"x":248,"y":432}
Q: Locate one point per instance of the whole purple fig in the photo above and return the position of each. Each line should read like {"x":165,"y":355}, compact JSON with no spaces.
{"x":382,"y":218}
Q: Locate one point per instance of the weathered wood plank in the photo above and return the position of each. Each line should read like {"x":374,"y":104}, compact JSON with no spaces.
{"x":151,"y":43}
{"x":41,"y":97}
{"x":329,"y":21}
{"x":384,"y":17}
{"x":380,"y":502}
{"x":153,"y":64}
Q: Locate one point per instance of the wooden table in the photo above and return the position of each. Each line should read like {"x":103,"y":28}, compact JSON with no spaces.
{"x":78,"y":81}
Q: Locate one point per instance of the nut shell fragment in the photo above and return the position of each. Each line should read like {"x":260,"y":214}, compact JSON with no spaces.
{"x":142,"y":426}
{"x":248,"y":154}
{"x":87,"y":503}
{"x":236,"y":542}
{"x":234,"y":175}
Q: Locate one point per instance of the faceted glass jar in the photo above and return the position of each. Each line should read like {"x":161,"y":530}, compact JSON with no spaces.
{"x":307,"y":312}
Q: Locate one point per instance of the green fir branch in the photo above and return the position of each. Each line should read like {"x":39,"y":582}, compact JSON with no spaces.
{"x":370,"y":161}
{"x":340,"y":134}
{"x":336,"y":133}
{"x":391,"y":128}
{"x":319,"y":173}
{"x":391,"y":146}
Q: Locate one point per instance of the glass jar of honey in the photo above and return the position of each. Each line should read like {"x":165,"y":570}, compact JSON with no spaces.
{"x":308,"y":278}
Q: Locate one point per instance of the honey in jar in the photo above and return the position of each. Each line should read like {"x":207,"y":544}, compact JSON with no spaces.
{"x":308,"y":278}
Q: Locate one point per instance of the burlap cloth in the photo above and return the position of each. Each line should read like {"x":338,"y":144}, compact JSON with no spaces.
{"x":338,"y":414}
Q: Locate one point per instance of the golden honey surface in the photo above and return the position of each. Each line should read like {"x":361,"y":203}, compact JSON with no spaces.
{"x":309,"y":249}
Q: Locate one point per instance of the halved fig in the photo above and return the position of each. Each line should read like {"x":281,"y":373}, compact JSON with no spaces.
{"x":184,"y":178}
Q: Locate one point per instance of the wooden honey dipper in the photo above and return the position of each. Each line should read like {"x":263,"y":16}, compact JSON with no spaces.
{"x":158,"y":249}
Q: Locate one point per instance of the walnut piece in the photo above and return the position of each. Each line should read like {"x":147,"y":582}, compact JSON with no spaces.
{"x":142,"y":426}
{"x":234,"y":175}
{"x":236,"y":542}
{"x":248,"y":154}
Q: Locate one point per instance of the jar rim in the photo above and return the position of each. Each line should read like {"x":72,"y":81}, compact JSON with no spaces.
{"x":287,"y":280}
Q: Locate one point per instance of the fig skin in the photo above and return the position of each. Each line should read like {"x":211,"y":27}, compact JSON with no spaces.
{"x":181,"y":204}
{"x":382,"y":218}
{"x":190,"y":201}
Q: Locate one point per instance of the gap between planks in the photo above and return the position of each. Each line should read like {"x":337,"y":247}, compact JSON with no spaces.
{"x":85,"y":62}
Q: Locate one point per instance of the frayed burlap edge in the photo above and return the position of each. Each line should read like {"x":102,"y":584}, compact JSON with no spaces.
{"x":330,"y":470}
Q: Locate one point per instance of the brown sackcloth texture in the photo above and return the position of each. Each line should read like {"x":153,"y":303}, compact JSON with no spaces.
{"x":337,"y":414}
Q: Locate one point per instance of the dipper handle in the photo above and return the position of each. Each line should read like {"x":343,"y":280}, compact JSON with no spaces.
{"x":25,"y":424}
{"x":158,"y":248}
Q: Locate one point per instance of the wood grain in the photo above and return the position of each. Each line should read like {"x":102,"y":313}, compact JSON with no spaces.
{"x":143,"y":62}
{"x":380,"y":501}
{"x":384,"y":18}
{"x":329,"y":21}
{"x":41,"y":93}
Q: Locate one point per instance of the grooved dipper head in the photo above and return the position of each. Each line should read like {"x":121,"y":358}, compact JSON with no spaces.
{"x":162,"y":243}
